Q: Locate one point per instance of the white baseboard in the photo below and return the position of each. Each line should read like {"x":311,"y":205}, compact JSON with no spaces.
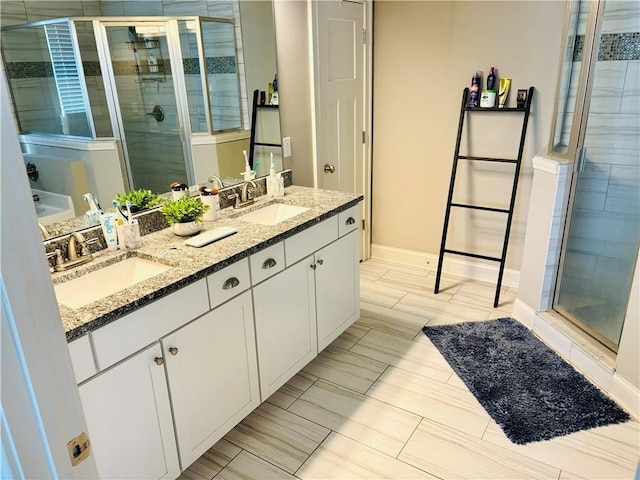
{"x":468,"y":268}
{"x":626,"y":394}
{"x":524,"y":313}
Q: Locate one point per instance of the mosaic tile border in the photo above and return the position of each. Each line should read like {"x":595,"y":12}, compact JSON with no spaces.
{"x":215,"y":66}
{"x":613,"y":47}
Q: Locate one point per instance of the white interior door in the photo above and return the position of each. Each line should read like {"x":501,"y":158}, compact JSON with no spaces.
{"x":340,"y":86}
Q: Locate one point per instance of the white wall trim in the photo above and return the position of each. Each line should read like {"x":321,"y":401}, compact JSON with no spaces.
{"x":453,"y":266}
{"x":546,"y":164}
{"x":88,"y":145}
{"x":206,"y":139}
{"x":524,"y":313}
{"x":625,"y":393}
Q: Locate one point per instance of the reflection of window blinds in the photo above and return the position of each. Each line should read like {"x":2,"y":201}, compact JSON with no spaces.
{"x":65,"y":69}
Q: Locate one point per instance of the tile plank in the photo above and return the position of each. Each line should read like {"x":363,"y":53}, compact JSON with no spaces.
{"x":449,"y":453}
{"x":278,"y":436}
{"x":363,"y":419}
{"x":339,"y":457}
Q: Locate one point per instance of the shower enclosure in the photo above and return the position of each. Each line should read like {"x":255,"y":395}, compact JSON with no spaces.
{"x":597,"y":125}
{"x":149,"y":82}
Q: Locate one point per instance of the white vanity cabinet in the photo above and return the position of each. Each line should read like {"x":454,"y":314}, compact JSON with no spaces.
{"x":212,"y":373}
{"x":162,"y":384}
{"x":285,"y":325}
{"x":302,"y":309}
{"x":337,"y":287}
{"x":129,"y":419}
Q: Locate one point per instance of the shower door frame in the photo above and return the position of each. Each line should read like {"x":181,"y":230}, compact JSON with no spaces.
{"x":177,"y":77}
{"x":575,"y":148}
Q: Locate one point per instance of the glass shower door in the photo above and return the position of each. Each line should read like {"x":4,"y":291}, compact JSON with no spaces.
{"x":150,"y":125}
{"x":601,"y":243}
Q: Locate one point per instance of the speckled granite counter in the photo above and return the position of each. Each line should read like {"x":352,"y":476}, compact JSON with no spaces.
{"x":190,"y":264}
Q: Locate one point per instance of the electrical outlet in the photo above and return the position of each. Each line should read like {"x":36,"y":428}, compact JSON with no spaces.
{"x":286,"y":147}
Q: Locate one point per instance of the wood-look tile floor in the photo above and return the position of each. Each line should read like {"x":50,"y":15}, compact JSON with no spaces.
{"x":381,"y":402}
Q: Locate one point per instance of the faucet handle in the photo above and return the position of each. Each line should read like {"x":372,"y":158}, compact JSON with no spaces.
{"x":84,"y":246}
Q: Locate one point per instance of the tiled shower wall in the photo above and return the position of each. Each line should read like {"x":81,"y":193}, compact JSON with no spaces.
{"x":24,"y":11}
{"x":606,"y":216}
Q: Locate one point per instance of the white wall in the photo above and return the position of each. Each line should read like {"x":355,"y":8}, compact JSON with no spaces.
{"x":425,"y":54}
{"x":294,"y":77}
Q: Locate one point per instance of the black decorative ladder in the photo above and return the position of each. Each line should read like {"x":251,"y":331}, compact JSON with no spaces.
{"x":509,"y":212}
{"x":254,"y":117}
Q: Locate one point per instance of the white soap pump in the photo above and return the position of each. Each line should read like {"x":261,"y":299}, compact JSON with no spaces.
{"x":271,"y":179}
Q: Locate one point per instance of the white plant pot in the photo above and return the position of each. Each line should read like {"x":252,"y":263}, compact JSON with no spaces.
{"x":187,"y":228}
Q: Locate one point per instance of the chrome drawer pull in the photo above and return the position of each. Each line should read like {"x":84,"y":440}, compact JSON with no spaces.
{"x":269,"y":263}
{"x":351,"y":221}
{"x":231,"y":283}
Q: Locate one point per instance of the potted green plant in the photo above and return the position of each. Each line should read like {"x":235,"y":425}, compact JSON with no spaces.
{"x":140,"y":199}
{"x":184,"y":215}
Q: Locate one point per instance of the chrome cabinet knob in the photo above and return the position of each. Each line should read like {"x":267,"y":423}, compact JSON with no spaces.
{"x":269,"y":263}
{"x":231,"y":283}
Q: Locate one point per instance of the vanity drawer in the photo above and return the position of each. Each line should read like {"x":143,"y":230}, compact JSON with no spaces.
{"x":84,"y":366}
{"x":266,"y":263}
{"x":228,"y":282}
{"x":349,"y":220}
{"x":310,"y":240}
{"x":146,"y":325}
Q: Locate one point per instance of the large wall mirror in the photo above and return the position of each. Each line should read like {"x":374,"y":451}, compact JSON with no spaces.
{"x":121,"y":101}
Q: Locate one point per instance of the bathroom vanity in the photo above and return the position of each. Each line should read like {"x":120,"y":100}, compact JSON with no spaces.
{"x":168,"y":366}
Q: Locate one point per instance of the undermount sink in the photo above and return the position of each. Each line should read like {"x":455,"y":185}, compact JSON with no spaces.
{"x":108,"y":280}
{"x":273,"y":214}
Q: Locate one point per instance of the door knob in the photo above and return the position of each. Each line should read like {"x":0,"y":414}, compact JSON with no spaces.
{"x":328,"y":168}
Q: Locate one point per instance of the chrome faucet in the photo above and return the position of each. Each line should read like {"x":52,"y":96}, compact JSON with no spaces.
{"x":76,"y":242}
{"x":77,"y":239}
{"x":246,"y":194}
{"x":245,"y":197}
{"x":215,"y":179}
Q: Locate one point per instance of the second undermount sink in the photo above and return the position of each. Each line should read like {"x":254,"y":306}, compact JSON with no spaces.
{"x":273,"y":214}
{"x":88,"y":288}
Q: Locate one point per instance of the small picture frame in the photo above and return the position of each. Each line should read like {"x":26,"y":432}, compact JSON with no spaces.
{"x":521,"y":99}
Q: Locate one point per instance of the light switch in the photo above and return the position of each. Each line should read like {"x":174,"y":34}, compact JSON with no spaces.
{"x":286,"y":147}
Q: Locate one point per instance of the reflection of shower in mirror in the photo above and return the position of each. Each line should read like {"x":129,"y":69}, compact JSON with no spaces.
{"x":204,"y":121}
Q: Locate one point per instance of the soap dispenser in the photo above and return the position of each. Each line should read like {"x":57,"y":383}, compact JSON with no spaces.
{"x":271,"y":179}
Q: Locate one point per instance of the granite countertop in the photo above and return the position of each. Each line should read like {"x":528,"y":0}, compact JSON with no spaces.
{"x":189,"y":264}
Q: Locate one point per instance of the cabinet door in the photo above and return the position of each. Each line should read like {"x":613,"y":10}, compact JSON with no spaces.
{"x":129,"y":419}
{"x":285,"y":325}
{"x":213,"y":375}
{"x":337,"y":287}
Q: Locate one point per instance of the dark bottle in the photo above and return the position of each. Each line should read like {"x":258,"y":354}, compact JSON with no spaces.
{"x":473,"y":91}
{"x":491,"y":80}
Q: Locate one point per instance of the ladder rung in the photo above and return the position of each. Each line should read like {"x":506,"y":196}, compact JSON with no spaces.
{"x":260,"y":144}
{"x":477,"y":207}
{"x":474,"y":255}
{"x":487,"y":159}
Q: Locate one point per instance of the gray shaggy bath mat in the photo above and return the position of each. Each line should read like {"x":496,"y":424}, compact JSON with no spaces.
{"x":529,"y":391}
